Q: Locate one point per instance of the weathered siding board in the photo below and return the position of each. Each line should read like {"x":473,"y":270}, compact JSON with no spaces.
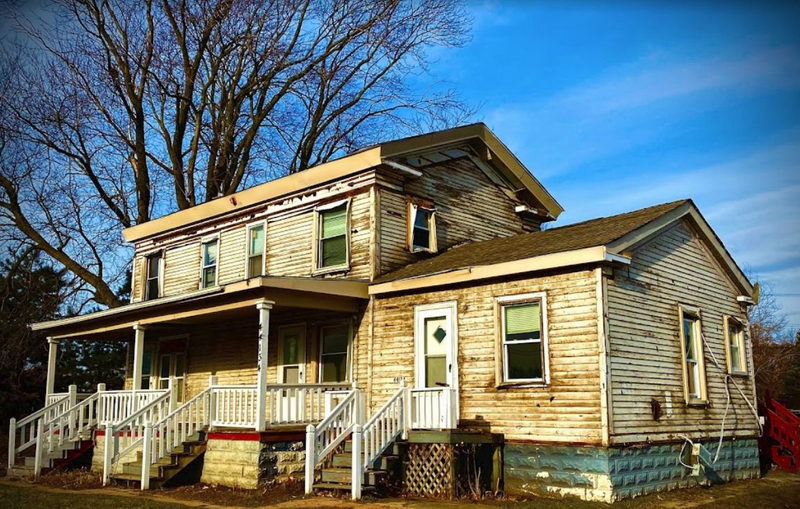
{"x":566,"y":411}
{"x":182,"y":269}
{"x":645,"y":355}
{"x":232,"y":252}
{"x":469,"y":207}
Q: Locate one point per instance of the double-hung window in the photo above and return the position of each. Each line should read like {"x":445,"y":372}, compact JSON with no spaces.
{"x":692,"y":353}
{"x":735,"y":345}
{"x":332,"y":237}
{"x":334,"y":346}
{"x":421,"y":228}
{"x":255,"y":250}
{"x":523,"y":339}
{"x":152,"y":288}
{"x":209,"y":255}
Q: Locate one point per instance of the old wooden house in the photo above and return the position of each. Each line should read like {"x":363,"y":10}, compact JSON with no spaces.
{"x":405,"y":301}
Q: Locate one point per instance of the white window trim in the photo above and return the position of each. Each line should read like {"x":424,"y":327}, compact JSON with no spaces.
{"x":502,"y":367}
{"x":412,"y":217}
{"x":317,"y":240}
{"x":348,"y":368}
{"x":255,"y":224}
{"x":726,"y":322}
{"x":203,"y":242}
{"x":698,"y":339}
{"x":161,"y":267}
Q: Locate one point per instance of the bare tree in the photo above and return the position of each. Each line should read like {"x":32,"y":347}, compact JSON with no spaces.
{"x":119,"y":110}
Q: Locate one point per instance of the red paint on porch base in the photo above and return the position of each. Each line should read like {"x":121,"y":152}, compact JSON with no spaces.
{"x":256,"y":436}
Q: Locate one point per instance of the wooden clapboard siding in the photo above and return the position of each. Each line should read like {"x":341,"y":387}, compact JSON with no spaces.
{"x":232,"y":253}
{"x":469,"y":207}
{"x":568,"y":410}
{"x":182,"y":269}
{"x":645,"y":351}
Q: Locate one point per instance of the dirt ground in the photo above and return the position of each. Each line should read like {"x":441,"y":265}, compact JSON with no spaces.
{"x":777,"y":490}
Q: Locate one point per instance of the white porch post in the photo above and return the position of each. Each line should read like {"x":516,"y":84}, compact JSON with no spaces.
{"x":138,"y":353}
{"x":51,"y":367}
{"x":263,"y":352}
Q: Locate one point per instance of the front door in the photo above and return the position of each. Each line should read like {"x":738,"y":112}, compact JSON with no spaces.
{"x":291,"y":371}
{"x":173,"y":366}
{"x":436,"y":364}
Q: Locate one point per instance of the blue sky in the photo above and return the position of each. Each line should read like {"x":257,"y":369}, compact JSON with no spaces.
{"x":621,"y":105}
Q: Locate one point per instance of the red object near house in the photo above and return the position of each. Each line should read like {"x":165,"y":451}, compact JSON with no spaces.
{"x":783,"y":436}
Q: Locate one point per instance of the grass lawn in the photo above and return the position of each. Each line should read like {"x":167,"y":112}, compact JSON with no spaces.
{"x":778,"y":490}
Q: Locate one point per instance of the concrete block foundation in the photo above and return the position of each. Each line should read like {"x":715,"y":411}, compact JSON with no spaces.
{"x":613,"y":473}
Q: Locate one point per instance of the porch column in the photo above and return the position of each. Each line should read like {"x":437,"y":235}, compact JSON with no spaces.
{"x":52,"y":356}
{"x":138,"y":353}
{"x":263,"y":352}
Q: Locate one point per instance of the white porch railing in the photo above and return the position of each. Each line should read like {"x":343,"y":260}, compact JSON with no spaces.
{"x":125,"y":437}
{"x":433,"y":408}
{"x":116,"y":406}
{"x":234,"y":406}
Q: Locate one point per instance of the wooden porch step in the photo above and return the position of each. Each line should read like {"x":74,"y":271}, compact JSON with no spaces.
{"x":165,"y":469}
{"x":339,"y":486}
{"x":344,"y":476}
{"x":345,"y":460}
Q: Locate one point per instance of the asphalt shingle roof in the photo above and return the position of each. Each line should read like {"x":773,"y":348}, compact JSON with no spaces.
{"x":595,"y":232}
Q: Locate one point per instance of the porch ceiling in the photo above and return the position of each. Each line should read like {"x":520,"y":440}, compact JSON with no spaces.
{"x":227,"y":302}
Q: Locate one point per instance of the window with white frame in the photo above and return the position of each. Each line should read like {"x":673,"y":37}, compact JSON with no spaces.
{"x":256,"y":243}
{"x":523,"y":339}
{"x":421,"y":228}
{"x":332,"y":247}
{"x":334,"y":346}
{"x":734,"y":341}
{"x":208,"y":275}
{"x":152,"y":289}
{"x":692,"y":352}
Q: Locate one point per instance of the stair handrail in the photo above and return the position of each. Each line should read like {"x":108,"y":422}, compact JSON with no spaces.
{"x":383,"y":428}
{"x":71,"y":423}
{"x":322,"y":439}
{"x":175,"y":428}
{"x":30,"y":425}
{"x":130,"y":431}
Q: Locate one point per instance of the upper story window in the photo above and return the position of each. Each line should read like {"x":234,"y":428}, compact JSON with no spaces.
{"x":332,"y":237}
{"x":208,"y":274}
{"x":735,"y":345}
{"x":692,"y":352}
{"x":421,"y":228}
{"x":152,"y":289}
{"x":256,"y":243}
{"x":523,"y":339}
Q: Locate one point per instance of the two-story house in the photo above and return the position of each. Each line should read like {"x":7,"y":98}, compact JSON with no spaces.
{"x":310,"y":324}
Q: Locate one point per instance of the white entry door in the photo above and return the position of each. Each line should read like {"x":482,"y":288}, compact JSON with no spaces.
{"x":435,"y":397}
{"x":291,"y":371}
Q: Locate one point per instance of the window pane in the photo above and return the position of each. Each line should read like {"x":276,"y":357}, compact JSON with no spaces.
{"x":436,"y":337}
{"x":257,"y":240}
{"x":290,"y":350}
{"x":164,"y":366}
{"x":436,"y":371}
{"x":153,"y":265}
{"x":523,"y":321}
{"x":209,"y":275}
{"x":210,"y":253}
{"x":147,"y":362}
{"x":254,"y":266}
{"x":693,"y":372}
{"x":422,"y":238}
{"x":334,"y":222}
{"x":152,"y":288}
{"x":423,"y":219}
{"x":524,"y":360}
{"x":688,"y":337}
{"x":334,"y":368}
{"x":179,"y":369}
{"x":735,"y":338}
{"x":334,"y":251}
{"x":334,"y":339}
{"x":291,"y":375}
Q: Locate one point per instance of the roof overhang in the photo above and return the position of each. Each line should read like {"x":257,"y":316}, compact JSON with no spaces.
{"x":372,"y":157}
{"x":324,"y":294}
{"x":589,"y":255}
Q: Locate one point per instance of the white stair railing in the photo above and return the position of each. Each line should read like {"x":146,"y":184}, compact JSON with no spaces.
{"x":299,"y":403}
{"x":126,"y":436}
{"x":383,"y":428}
{"x":175,"y":428}
{"x":28,"y":431}
{"x":322,"y":440}
{"x":116,"y":406}
{"x":433,"y":408}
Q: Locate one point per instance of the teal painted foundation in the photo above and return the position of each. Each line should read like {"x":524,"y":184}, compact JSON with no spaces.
{"x":615,"y":473}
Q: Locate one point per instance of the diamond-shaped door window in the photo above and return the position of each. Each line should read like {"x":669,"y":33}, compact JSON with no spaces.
{"x":439,"y":334}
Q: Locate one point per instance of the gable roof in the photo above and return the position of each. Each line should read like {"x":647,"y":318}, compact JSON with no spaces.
{"x":370,"y":157}
{"x":596,"y":240}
